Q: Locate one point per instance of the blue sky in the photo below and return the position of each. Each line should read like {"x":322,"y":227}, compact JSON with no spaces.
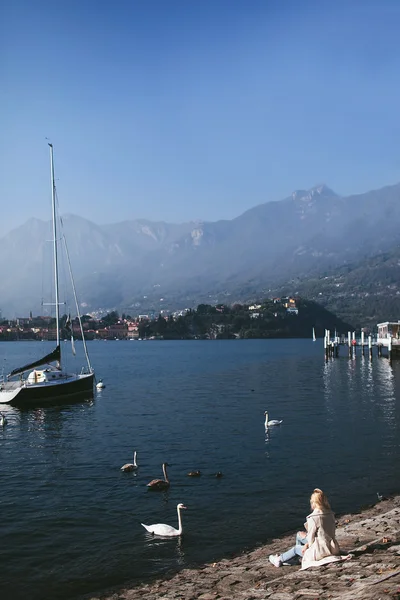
{"x":197,"y":109}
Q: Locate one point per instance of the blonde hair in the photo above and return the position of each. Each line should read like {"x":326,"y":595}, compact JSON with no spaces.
{"x":319,"y":500}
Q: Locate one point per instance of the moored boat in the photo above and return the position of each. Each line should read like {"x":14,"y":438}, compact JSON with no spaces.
{"x":29,"y":385}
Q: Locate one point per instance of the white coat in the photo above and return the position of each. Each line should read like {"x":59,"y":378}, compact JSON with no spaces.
{"x":320,"y":537}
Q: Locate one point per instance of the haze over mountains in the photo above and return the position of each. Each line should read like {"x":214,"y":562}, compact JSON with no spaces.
{"x":116,"y":265}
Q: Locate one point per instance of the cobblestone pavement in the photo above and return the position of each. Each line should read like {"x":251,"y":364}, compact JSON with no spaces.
{"x":373,"y":572}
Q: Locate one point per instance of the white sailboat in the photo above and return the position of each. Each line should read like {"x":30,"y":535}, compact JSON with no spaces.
{"x":51,"y":383}
{"x":314,"y":337}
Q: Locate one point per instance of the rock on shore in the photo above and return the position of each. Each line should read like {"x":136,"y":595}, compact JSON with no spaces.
{"x":373,"y":572}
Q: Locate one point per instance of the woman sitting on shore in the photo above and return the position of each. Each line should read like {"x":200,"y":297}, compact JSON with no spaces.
{"x":319,"y":542}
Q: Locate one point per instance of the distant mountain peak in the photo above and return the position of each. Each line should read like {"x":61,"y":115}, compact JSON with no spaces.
{"x":315,"y":192}
{"x":323,"y":190}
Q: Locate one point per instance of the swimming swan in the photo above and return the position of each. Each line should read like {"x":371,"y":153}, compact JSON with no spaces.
{"x":166,"y":530}
{"x":160,"y":484}
{"x":130,"y":466}
{"x":271,"y":423}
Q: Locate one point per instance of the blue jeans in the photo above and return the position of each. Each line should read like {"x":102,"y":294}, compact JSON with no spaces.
{"x":296,"y":551}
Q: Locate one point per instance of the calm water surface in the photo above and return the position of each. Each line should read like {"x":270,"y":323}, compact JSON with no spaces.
{"x":70,"y":519}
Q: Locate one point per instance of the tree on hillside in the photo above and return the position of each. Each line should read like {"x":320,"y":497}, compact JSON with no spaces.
{"x":206,"y":309}
{"x":110,"y":319}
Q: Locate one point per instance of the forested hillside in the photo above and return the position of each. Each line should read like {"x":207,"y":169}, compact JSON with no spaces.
{"x":266,"y":320}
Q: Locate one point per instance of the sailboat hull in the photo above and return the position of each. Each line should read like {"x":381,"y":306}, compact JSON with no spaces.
{"x":49,"y":392}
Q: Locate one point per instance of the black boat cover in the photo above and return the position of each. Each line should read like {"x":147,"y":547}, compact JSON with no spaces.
{"x":53,"y":356}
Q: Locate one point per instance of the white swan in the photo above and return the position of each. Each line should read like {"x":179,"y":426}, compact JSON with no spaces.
{"x":271,"y":423}
{"x":3,"y":420}
{"x":130,"y":466}
{"x":166,"y":530}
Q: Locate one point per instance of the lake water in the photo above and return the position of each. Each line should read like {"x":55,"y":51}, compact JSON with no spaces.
{"x":70,"y":519}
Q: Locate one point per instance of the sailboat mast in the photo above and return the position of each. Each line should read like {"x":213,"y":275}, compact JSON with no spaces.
{"x":53,"y":202}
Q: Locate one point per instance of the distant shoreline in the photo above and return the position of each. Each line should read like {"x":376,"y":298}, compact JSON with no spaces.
{"x":169,"y":339}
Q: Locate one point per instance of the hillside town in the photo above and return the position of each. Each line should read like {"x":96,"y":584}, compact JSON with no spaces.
{"x":273,"y":317}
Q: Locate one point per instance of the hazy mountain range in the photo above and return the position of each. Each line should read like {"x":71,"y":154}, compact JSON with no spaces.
{"x":116,"y":265}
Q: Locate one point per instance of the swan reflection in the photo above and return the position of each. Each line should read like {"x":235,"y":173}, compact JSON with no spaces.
{"x":160,"y":543}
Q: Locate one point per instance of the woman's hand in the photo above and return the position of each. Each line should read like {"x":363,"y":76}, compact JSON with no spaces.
{"x":304,"y":548}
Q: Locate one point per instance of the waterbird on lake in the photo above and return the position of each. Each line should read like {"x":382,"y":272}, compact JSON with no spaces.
{"x":160,"y":484}
{"x":194,"y":474}
{"x":167,"y":530}
{"x":271,"y":423}
{"x":218,"y":475}
{"x":3,"y":420}
{"x":130,"y":466}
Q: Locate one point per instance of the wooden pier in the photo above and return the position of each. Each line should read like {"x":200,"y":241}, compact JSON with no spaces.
{"x":386,"y":343}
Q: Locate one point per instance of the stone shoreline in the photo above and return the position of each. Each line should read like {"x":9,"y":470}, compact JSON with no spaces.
{"x":371,"y":536}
